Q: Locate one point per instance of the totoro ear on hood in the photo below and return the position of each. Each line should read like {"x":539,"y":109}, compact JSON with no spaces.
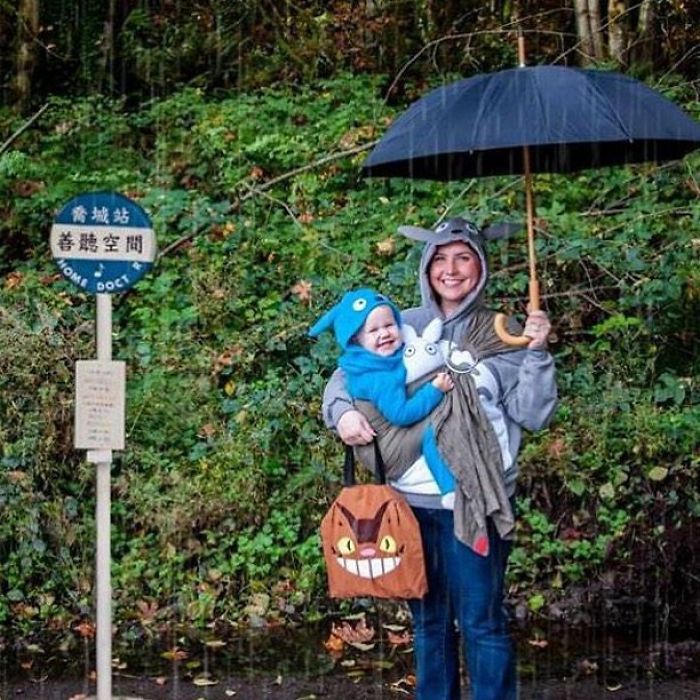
{"x":504,"y":229}
{"x":416,"y":233}
{"x":459,"y":229}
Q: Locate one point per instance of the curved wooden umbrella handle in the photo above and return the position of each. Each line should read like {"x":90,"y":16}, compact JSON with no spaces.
{"x":499,"y":325}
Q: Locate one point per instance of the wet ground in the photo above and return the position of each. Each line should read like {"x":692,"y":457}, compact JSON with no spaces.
{"x":362,"y":660}
{"x":339,"y":688}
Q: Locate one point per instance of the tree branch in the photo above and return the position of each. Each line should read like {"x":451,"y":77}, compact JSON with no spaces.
{"x":433,"y":45}
{"x":5,"y":146}
{"x":279,"y":202}
{"x":252,"y":192}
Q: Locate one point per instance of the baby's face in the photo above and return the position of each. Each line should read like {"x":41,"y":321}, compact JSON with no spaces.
{"x":380,"y":334}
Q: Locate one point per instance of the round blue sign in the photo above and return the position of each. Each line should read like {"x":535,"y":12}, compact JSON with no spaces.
{"x":103,"y":242}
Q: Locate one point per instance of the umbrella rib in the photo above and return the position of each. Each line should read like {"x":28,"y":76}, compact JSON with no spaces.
{"x":482,"y":108}
{"x":543,"y":112}
{"x":618,"y":119}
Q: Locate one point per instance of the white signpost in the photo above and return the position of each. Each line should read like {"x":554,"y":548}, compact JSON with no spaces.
{"x":103,"y":243}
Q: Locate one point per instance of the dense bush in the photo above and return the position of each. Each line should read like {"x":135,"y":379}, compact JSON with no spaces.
{"x":228,"y":469}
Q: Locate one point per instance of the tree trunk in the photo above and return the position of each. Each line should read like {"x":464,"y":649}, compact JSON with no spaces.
{"x":106,"y":63}
{"x":643,"y":49}
{"x":27,"y":30}
{"x":583,"y":29}
{"x":7,"y":60}
{"x":596,"y":29}
{"x":618,"y":31}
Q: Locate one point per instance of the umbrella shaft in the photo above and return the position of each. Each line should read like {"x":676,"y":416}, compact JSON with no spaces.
{"x":530,"y":208}
{"x":521,"y":51}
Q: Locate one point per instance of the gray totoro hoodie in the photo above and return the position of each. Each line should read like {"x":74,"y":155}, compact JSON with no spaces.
{"x":516,"y":389}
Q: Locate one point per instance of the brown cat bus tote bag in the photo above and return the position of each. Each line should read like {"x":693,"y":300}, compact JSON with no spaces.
{"x":371,"y":540}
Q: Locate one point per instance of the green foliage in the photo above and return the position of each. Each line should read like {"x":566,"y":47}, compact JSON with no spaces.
{"x":228,"y":468}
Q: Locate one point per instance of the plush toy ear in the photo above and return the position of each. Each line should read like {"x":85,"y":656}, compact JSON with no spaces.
{"x":408,"y":333}
{"x":433,"y":331}
{"x":325,"y":322}
{"x":501,"y":230}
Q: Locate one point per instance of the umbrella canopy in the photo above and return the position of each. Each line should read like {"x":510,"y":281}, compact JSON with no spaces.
{"x":571,"y":119}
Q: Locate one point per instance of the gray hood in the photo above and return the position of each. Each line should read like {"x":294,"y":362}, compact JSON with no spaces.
{"x":449,"y":231}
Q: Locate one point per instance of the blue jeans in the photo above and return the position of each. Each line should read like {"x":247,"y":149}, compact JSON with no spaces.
{"x":466,"y":588}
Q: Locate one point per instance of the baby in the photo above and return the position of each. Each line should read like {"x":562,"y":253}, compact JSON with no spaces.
{"x":367,"y":327}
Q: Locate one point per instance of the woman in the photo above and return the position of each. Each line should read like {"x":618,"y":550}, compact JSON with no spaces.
{"x":516,"y":389}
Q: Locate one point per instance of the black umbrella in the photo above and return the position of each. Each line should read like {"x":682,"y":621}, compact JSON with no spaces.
{"x":530,"y":120}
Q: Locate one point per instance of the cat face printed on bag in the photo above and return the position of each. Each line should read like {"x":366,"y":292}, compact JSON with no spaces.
{"x":372,"y":545}
{"x":365,"y":544}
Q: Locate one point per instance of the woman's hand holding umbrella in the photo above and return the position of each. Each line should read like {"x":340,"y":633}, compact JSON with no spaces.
{"x":537,"y":328}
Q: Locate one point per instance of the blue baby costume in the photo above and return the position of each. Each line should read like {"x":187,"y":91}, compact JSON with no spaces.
{"x":376,"y":378}
{"x":382,"y":379}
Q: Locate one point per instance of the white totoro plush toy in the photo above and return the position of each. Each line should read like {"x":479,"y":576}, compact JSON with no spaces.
{"x":426,"y":353}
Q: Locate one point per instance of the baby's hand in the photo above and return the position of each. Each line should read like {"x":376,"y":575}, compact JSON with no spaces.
{"x":443,"y":381}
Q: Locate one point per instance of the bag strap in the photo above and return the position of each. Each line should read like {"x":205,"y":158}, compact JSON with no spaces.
{"x":349,"y":466}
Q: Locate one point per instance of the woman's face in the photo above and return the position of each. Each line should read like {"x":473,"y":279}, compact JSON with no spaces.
{"x":453,"y":273}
